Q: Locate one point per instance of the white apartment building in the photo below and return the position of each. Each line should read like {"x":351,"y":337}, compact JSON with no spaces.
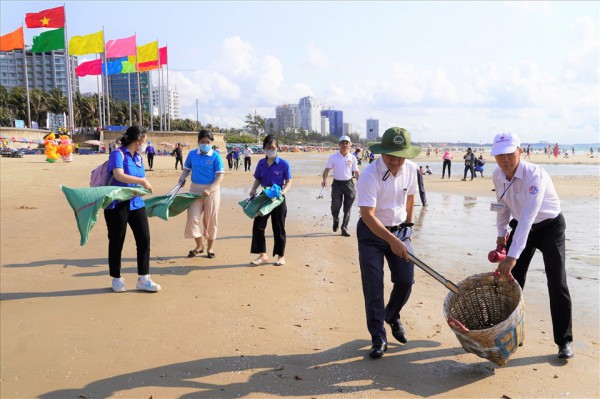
{"x":324,"y":126}
{"x":309,"y":114}
{"x":170,"y":102}
{"x":372,"y":129}
{"x":347,"y":128}
{"x":287,"y":117}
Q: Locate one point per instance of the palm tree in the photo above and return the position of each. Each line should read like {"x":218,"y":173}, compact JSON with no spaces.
{"x":56,"y":102}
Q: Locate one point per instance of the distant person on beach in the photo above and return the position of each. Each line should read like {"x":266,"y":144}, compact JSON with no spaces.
{"x":247,"y":158}
{"x":421,"y":186}
{"x":447,"y":157}
{"x":371,"y":157}
{"x":479,"y":168}
{"x":150,"y":152}
{"x":421,"y":170}
{"x":591,"y":152}
{"x":178,"y":154}
{"x":525,"y":191}
{"x":127,"y":168}
{"x":269,"y":171}
{"x":230,"y":159}
{"x":556,"y":150}
{"x":427,"y":170}
{"x":528,"y":152}
{"x":345,"y":168}
{"x":469,"y":158}
{"x":207,"y":170}
{"x":386,"y":196}
{"x":236,"y":159}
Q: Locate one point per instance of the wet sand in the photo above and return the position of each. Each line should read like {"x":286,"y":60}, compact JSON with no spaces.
{"x":220,"y":328}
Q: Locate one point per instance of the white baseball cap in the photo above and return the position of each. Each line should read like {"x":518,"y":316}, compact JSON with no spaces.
{"x":345,"y":138}
{"x":505,"y":143}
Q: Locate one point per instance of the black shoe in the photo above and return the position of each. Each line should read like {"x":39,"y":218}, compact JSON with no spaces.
{"x":565,"y":351}
{"x":398,"y":331}
{"x":345,"y":232}
{"x":377,"y":350}
{"x":336,"y":224}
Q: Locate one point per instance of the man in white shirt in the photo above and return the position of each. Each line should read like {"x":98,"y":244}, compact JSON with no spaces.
{"x":345,"y":167}
{"x":525,"y":191}
{"x":386,"y":197}
{"x":247,"y":153}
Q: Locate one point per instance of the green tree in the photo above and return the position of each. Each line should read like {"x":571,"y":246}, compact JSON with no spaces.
{"x":56,"y":103}
{"x":255,"y":124}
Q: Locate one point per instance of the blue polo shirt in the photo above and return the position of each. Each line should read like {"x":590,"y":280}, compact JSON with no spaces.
{"x":277,"y":173}
{"x":133,"y":165}
{"x":204,"y":167}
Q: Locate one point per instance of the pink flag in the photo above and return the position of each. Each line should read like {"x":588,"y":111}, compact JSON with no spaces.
{"x":121,"y":47}
{"x":89,"y":68}
{"x":162,"y":55}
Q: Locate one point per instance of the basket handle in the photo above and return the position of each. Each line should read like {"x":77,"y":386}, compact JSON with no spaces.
{"x":453,"y":322}
{"x":447,"y":283}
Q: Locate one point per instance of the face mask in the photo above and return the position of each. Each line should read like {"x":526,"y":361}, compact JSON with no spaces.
{"x":271,"y":153}
{"x":205,"y":148}
{"x":143,"y":147}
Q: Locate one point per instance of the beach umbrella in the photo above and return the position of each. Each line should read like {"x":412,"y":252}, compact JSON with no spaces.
{"x":166,"y":144}
{"x":94,"y":142}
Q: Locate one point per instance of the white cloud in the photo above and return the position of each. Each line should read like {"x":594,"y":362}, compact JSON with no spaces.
{"x":582,"y":63}
{"x":316,"y":58}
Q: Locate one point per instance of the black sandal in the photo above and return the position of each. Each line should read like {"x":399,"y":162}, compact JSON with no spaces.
{"x":193,"y":253}
{"x":211,"y":255}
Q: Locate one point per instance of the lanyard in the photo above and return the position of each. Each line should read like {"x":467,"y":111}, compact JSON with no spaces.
{"x":506,"y":189}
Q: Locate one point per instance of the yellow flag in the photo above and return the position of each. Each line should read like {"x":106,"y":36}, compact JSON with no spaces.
{"x":148,"y":52}
{"x":81,"y":45}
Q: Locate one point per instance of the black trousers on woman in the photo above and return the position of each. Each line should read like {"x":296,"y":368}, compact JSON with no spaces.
{"x":447,"y":163}
{"x":259,"y":244}
{"x":117,"y":220}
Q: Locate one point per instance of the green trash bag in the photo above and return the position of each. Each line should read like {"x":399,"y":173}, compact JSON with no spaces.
{"x":260,"y":205}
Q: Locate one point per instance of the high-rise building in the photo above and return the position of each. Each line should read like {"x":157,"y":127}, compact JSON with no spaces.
{"x":309,"y":114}
{"x":287,"y":117}
{"x":123,"y":85}
{"x":347,"y":128}
{"x":336,"y":121}
{"x":270,"y":125}
{"x":45,"y":71}
{"x":372,"y":129}
{"x":170,"y":102}
{"x":324,"y":126}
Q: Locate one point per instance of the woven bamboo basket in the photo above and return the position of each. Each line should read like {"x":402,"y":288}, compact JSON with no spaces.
{"x":487,"y":315}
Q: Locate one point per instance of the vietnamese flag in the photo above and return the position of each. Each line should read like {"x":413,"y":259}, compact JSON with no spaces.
{"x":50,"y":18}
{"x":12,"y":41}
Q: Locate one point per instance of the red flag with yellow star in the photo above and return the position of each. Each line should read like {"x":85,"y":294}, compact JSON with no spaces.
{"x":50,"y":18}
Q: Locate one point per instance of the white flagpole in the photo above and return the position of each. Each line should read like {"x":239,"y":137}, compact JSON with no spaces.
{"x":151,"y":101}
{"x":27,"y":83}
{"x":71,"y":124}
{"x":105,"y":86}
{"x":169,"y":99}
{"x":129,"y":95}
{"x":160,"y":101}
{"x":139,"y":81}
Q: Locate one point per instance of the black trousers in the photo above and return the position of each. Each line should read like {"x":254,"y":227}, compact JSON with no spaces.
{"x":342,"y":193}
{"x":421,"y":188}
{"x":117,"y":220}
{"x":178,"y":160}
{"x":150,"y":160}
{"x":468,"y":168}
{"x":259,"y":244}
{"x":447,"y":163}
{"x":372,"y":250}
{"x":549,"y":237}
{"x":247,"y":163}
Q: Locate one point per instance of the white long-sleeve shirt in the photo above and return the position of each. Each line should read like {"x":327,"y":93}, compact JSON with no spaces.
{"x":529,"y":197}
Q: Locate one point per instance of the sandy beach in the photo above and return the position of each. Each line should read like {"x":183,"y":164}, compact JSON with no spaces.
{"x":222,"y":329}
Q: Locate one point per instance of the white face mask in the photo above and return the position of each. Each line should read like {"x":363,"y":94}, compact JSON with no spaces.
{"x":143,"y":147}
{"x":271,"y":153}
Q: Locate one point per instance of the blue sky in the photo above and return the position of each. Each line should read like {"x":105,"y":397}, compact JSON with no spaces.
{"x":446,"y":71}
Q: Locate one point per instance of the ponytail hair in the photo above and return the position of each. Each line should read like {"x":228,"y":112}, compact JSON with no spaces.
{"x":132,"y":134}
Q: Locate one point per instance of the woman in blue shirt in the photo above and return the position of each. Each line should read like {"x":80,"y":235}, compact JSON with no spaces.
{"x":271,"y":170}
{"x":207,"y":170}
{"x":127,"y":167}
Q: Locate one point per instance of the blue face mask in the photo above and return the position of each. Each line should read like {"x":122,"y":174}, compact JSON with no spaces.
{"x":205,"y":148}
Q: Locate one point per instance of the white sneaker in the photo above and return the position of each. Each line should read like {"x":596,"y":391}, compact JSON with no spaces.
{"x":146,"y":284}
{"x":118,"y":285}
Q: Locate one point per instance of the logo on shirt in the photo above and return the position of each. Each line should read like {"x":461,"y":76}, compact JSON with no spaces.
{"x":533,"y":190}
{"x":209,"y":161}
{"x":277,"y":173}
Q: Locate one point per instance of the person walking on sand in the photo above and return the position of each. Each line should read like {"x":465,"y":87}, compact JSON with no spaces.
{"x":150,"y":152}
{"x":127,"y":167}
{"x":556,"y":150}
{"x":525,"y":191}
{"x":447,"y":157}
{"x":269,"y":171}
{"x":207,"y":169}
{"x":469,"y":158}
{"x":386,"y":197}
{"x":247,"y":154}
{"x":345,"y":167}
{"x":178,"y":154}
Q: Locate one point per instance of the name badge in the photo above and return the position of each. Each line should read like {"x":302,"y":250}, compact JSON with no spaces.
{"x":497,"y":207}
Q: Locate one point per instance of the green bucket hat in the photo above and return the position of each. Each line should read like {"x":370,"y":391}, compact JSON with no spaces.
{"x":396,"y":142}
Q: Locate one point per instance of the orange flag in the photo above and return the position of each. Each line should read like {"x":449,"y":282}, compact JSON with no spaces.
{"x":12,"y":41}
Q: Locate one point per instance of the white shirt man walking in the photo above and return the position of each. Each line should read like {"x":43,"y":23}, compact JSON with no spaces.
{"x":526,"y":192}
{"x":345,"y":167}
